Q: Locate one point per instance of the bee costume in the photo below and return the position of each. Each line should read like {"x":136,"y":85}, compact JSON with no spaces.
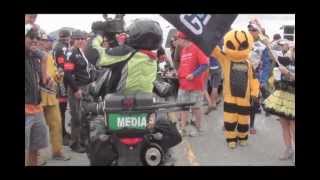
{"x":282,"y":101}
{"x":239,"y":86}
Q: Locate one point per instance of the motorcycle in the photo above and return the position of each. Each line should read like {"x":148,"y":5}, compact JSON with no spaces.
{"x":132,"y":131}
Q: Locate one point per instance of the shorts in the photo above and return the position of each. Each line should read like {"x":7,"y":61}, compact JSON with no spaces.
{"x":36,"y":132}
{"x":215,"y":78}
{"x":190,"y":96}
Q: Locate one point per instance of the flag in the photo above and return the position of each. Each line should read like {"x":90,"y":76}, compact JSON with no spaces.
{"x":205,"y":30}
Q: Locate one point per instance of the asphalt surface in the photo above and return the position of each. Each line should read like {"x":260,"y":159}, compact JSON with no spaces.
{"x":210,"y":148}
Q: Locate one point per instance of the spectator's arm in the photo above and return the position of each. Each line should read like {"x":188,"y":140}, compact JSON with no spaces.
{"x":266,"y":67}
{"x":254,"y":83}
{"x":201,"y":68}
{"x":218,"y":55}
{"x":43,"y":56}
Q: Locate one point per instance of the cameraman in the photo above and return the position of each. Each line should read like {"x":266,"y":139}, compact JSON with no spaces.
{"x":134,"y":68}
{"x":91,"y":53}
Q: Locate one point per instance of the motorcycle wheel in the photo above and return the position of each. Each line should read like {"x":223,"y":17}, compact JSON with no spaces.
{"x":152,"y":155}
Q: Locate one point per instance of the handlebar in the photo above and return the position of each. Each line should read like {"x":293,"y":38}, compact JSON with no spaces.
{"x":99,"y":108}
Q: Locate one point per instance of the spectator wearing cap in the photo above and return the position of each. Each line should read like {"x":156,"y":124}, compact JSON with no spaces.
{"x":36,"y":132}
{"x":276,"y":37}
{"x":261,"y":62}
{"x":60,"y":54}
{"x":77,"y":76}
{"x":50,"y":102}
{"x":193,"y":63}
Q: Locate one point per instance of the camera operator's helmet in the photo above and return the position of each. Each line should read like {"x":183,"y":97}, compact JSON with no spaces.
{"x":144,"y":34}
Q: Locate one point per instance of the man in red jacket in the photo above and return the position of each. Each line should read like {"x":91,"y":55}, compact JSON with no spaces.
{"x":193,"y":62}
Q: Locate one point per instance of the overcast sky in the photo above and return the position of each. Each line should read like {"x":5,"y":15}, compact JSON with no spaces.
{"x":52,"y":22}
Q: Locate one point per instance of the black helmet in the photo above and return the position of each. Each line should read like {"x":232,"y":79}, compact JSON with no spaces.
{"x":64,"y":33}
{"x":144,"y":34}
{"x":97,"y":26}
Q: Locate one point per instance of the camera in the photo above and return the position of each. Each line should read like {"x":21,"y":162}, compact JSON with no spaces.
{"x":109,"y":28}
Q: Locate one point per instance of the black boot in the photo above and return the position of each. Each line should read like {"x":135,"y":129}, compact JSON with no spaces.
{"x":76,"y":147}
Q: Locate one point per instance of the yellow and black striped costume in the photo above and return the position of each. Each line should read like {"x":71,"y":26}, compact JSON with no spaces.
{"x":282,"y":101}
{"x":240,"y":83}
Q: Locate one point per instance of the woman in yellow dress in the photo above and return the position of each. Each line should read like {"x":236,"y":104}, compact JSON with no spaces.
{"x":282,"y":101}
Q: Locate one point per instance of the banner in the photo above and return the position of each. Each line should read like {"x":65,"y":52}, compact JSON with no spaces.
{"x":205,"y":30}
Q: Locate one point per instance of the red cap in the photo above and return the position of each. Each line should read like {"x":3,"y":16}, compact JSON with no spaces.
{"x":181,"y":35}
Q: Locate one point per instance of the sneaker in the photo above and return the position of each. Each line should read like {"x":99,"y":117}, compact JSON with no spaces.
{"x":243,"y":143}
{"x":232,"y":145}
{"x":42,"y":162}
{"x":183,"y":132}
{"x":253,"y":131}
{"x":193,"y":134}
{"x":61,"y":157}
{"x":287,"y":155}
{"x":258,"y":111}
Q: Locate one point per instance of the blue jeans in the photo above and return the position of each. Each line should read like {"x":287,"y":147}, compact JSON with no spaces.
{"x":36,"y":132}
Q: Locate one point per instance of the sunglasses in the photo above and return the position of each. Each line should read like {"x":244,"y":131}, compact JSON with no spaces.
{"x":34,"y":38}
{"x":79,"y":38}
{"x":242,"y":46}
{"x":253,"y":30}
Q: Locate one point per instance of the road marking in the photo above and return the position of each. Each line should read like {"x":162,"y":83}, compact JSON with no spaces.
{"x":190,"y":154}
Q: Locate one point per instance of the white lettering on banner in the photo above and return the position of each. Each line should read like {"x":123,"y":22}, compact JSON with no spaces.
{"x":120,"y":122}
{"x":186,"y":56}
{"x":127,"y":122}
{"x":197,"y":22}
{"x":134,"y":122}
{"x":131,"y":122}
{"x":143,"y":122}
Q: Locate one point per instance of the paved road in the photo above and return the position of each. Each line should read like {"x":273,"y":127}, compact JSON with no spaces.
{"x":210,"y":149}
